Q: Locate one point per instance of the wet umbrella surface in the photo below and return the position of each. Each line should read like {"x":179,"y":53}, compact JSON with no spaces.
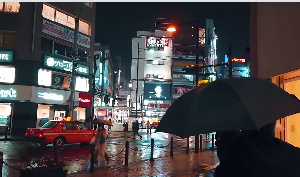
{"x":228,"y":104}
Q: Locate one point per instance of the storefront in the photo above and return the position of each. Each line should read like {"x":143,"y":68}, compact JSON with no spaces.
{"x":290,"y":82}
{"x":54,"y":104}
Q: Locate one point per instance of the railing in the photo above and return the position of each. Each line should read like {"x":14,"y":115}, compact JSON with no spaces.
{"x":172,"y":145}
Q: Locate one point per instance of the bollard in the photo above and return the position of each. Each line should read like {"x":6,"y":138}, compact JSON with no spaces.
{"x":213,"y":142}
{"x":126,"y":152}
{"x":201,"y":140}
{"x":56,"y":154}
{"x":93,"y":158}
{"x":1,"y":161}
{"x":171,"y":150}
{"x":152,"y":149}
{"x":6,"y":132}
{"x":196,"y":143}
{"x":188,"y":145}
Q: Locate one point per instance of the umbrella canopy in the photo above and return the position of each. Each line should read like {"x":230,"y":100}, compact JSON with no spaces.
{"x":99,"y":121}
{"x":228,"y":104}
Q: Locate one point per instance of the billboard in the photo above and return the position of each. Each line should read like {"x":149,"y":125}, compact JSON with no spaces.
{"x":157,"y":91}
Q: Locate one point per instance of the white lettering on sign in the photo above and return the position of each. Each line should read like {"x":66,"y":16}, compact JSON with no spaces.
{"x":84,"y":100}
{"x":3,"y":56}
{"x":50,"y":96}
{"x":11,"y":93}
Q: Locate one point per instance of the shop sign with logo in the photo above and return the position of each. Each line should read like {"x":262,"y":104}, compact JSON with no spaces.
{"x":85,"y":100}
{"x":6,"y":56}
{"x":238,"y":60}
{"x":50,"y":96}
{"x":65,"y":33}
{"x":8,"y":93}
{"x":157,"y":42}
{"x":61,"y":64}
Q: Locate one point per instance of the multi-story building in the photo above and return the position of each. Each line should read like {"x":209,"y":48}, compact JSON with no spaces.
{"x":184,"y":58}
{"x":151,"y":71}
{"x":275,"y":57}
{"x":35,"y":67}
{"x":104,"y":81}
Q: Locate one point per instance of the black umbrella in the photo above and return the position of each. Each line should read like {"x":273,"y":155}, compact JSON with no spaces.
{"x":228,"y":104}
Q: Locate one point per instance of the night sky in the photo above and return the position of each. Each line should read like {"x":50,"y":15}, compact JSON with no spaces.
{"x":117,"y":23}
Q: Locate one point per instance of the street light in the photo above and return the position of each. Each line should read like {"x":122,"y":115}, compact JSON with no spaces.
{"x":171,"y":29}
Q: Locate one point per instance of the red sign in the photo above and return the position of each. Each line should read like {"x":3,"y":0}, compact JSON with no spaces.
{"x":85,"y":100}
{"x":238,"y":60}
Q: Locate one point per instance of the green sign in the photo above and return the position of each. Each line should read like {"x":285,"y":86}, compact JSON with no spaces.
{"x":6,"y":56}
{"x":65,"y":65}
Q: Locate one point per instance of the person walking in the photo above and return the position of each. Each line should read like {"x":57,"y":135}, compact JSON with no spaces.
{"x":95,"y":125}
{"x":148,"y":126}
{"x":100,"y":140}
{"x":136,"y":129}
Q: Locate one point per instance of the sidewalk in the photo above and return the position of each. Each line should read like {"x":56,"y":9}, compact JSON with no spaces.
{"x":183,"y":165}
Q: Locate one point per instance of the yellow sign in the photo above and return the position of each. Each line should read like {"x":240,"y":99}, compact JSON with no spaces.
{"x":239,"y":60}
{"x":68,"y":118}
{"x":201,"y":82}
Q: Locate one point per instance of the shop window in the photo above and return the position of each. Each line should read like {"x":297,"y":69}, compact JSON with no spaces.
{"x":82,"y":84}
{"x":12,"y":7}
{"x":48,"y":12}
{"x":61,"y":18}
{"x":5,"y":113}
{"x":82,"y":126}
{"x":46,"y":45}
{"x":84,"y":27}
{"x":7,"y":74}
{"x":9,"y":40}
{"x":59,"y":49}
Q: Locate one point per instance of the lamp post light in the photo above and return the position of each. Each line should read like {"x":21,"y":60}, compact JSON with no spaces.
{"x":74,"y":64}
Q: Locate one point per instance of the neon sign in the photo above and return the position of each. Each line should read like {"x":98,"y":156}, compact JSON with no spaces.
{"x":6,"y":56}
{"x":157,"y":42}
{"x":50,"y":96}
{"x":10,"y":93}
{"x":84,"y":100}
{"x":238,"y":60}
{"x":60,"y":64}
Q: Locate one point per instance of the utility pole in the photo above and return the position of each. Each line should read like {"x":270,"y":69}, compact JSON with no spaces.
{"x":137,"y":79}
{"x":74,"y":65}
{"x":197,"y":76}
{"x":229,"y":62}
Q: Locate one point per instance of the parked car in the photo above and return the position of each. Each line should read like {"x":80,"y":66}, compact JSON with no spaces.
{"x":61,"y":132}
{"x":154,"y":125}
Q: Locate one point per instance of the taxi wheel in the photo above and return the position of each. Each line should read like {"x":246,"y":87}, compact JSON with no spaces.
{"x":59,"y":141}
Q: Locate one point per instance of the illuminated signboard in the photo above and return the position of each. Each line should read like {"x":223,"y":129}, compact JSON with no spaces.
{"x":238,"y":60}
{"x":157,"y":42}
{"x":6,"y":56}
{"x":50,"y":96}
{"x":9,"y":93}
{"x":64,"y":65}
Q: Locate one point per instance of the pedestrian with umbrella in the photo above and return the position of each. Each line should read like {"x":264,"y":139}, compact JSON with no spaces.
{"x":247,"y":104}
{"x":100,"y":140}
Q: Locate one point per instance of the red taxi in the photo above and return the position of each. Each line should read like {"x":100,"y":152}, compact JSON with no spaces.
{"x":59,"y":133}
{"x":154,"y":125}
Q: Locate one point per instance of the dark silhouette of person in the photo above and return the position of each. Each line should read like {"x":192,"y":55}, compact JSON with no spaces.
{"x":136,"y":128}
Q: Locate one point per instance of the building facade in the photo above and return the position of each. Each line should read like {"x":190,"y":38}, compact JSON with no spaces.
{"x":151,"y":72}
{"x":184,"y":59}
{"x":35,"y":68}
{"x":275,"y":56}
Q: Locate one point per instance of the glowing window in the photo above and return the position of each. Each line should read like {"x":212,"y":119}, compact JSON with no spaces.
{"x":1,"y":6}
{"x":84,"y":27}
{"x":7,"y":74}
{"x":48,"y":12}
{"x":71,"y":22}
{"x":12,"y":7}
{"x":61,"y":18}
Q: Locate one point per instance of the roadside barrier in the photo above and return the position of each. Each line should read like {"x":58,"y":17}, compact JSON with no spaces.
{"x":126,"y":150}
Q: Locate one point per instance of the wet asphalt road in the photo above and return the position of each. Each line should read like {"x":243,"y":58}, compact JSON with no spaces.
{"x":77,"y":157}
